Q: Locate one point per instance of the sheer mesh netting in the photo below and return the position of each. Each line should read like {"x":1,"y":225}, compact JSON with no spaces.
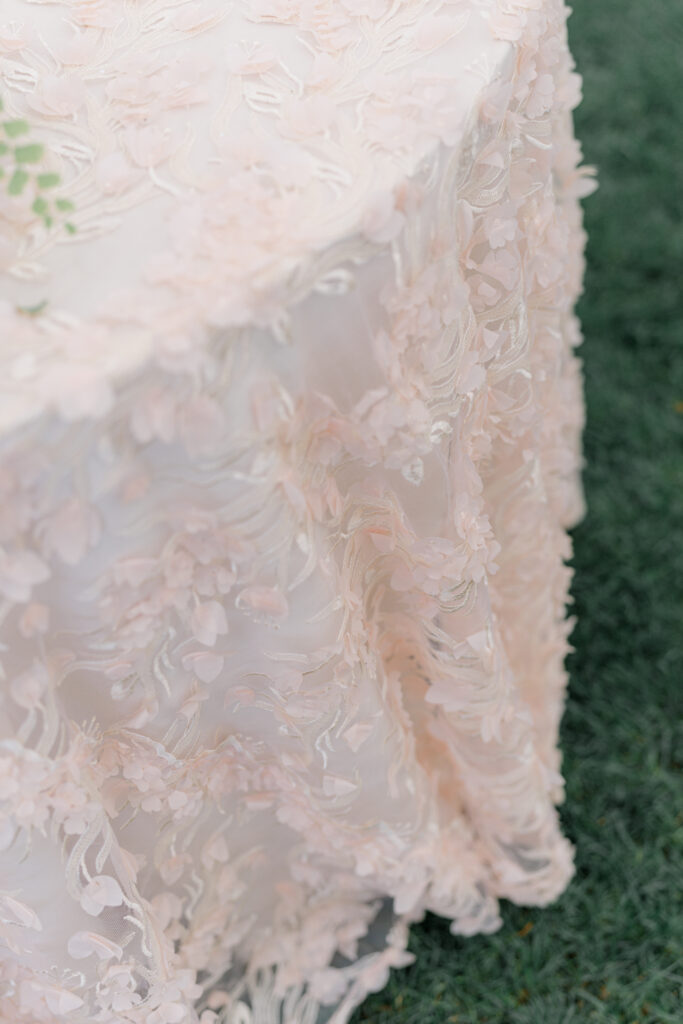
{"x":289,"y":446}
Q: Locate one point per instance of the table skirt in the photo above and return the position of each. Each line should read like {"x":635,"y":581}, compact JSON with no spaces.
{"x":283,"y":611}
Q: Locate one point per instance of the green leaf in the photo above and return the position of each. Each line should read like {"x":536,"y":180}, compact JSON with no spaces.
{"x":71,"y":228}
{"x":14,"y":128}
{"x":33,"y":310}
{"x":41,"y":206}
{"x":29,"y":154}
{"x":48,"y":180}
{"x":65,"y":205}
{"x":4,"y":148}
{"x":17,"y":182}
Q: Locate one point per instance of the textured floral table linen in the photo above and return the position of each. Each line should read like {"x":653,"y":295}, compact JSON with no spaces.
{"x":289,"y":443}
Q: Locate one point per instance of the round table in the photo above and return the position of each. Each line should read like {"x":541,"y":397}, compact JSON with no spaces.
{"x":289,"y":444}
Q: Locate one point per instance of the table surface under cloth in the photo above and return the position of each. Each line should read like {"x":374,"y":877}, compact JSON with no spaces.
{"x":289,"y":443}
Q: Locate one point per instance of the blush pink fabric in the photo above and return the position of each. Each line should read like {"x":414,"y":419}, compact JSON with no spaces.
{"x":289,"y":443}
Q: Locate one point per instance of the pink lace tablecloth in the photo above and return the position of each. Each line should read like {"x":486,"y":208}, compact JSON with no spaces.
{"x":289,"y":443}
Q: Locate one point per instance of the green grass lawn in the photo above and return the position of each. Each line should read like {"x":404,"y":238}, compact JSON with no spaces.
{"x":611,"y":949}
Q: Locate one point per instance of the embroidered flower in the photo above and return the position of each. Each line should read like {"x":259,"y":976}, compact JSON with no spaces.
{"x":263,"y":604}
{"x":27,"y":689}
{"x":100,"y":892}
{"x":20,"y":573}
{"x":208,"y":622}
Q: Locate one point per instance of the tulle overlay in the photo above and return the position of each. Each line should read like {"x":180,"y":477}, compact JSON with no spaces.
{"x":283,"y":558}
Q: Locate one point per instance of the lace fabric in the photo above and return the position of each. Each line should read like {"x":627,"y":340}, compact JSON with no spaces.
{"x":290,"y":425}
